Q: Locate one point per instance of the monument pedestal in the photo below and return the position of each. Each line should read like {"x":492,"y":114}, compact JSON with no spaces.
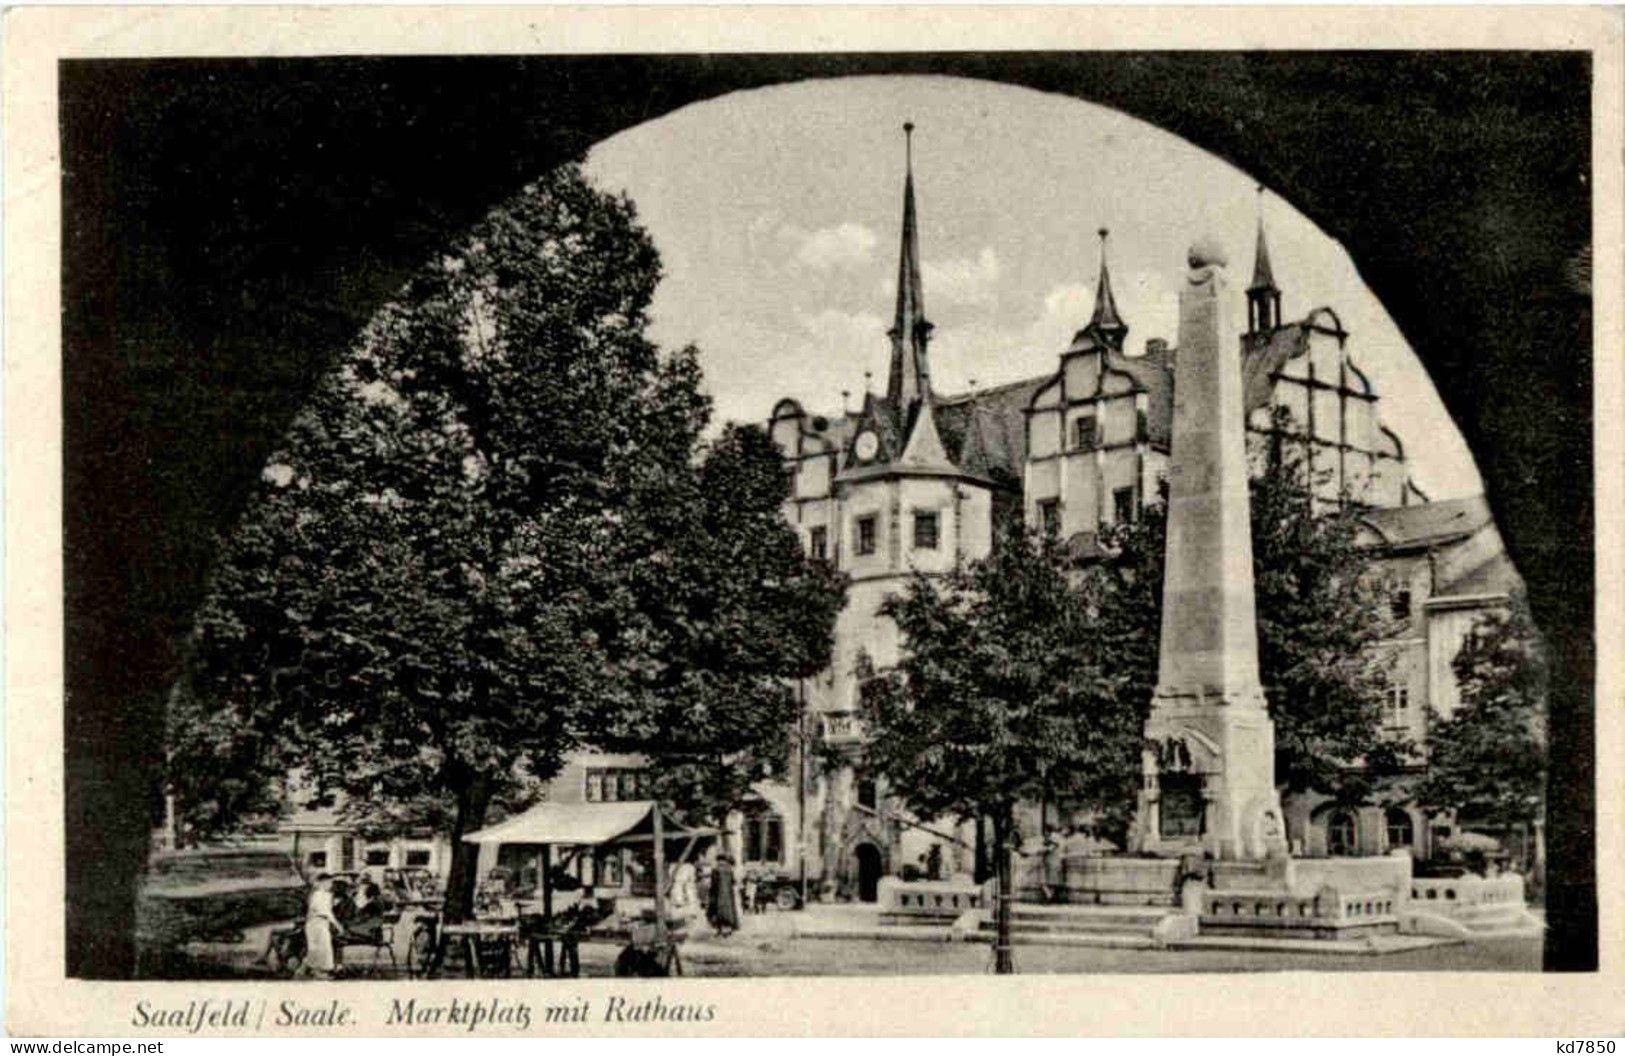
{"x":1208,"y":778}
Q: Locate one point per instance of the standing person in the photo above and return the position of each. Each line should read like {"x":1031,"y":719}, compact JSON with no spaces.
{"x":1054,"y":889}
{"x":684,"y":885}
{"x":724,"y":911}
{"x":320,"y":924}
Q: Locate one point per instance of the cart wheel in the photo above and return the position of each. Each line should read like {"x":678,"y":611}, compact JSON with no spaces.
{"x":786,"y":898}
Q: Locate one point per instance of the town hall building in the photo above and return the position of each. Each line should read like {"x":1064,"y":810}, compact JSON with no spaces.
{"x":914,"y":481}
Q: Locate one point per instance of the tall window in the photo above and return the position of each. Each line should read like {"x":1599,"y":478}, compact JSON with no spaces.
{"x":1400,"y":831}
{"x":1049,"y":516}
{"x":868,"y":794}
{"x":925,"y":529}
{"x":1123,"y":504}
{"x":1340,"y":834}
{"x":763,"y":834}
{"x":1397,"y":704}
{"x":1085,"y":436}
{"x":818,"y":543}
{"x":866,"y":534}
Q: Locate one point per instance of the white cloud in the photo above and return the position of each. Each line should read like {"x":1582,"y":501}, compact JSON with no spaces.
{"x":965,"y":280}
{"x":841,"y":246}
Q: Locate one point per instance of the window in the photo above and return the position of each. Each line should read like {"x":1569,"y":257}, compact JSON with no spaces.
{"x":1340,"y":834}
{"x":1085,"y":437}
{"x":1399,"y":599}
{"x":616,"y":785}
{"x":1049,"y":516}
{"x":417,"y":858}
{"x":1123,"y":504}
{"x":818,"y":543}
{"x":763,"y":834}
{"x":868,"y":793}
{"x":377,"y":856}
{"x":925,"y":529}
{"x":1397,"y":707}
{"x":1400,"y":830}
{"x":866,"y":534}
{"x":317,"y":859}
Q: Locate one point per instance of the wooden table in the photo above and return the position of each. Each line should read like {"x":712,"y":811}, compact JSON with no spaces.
{"x":468,"y":938}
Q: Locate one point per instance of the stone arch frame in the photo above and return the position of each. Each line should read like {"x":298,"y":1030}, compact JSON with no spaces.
{"x":346,"y":126}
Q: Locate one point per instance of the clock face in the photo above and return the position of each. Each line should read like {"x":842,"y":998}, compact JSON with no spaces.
{"x":868,"y":444}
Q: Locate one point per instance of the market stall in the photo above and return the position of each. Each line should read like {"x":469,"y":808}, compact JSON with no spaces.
{"x":551,"y":827}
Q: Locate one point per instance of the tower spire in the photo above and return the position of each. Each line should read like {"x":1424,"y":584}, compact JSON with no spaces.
{"x":1263,"y":296}
{"x":910,"y":377}
{"x":1106,"y":321}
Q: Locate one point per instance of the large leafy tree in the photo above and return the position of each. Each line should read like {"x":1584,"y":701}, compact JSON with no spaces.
{"x":1486,"y":759}
{"x":1002,"y":695}
{"x":1320,"y":611}
{"x":731,"y":610}
{"x":447,"y":581}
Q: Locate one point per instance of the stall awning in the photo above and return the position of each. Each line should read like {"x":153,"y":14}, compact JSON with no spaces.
{"x":578,"y":824}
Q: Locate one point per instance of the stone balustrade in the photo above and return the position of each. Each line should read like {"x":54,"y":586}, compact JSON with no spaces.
{"x":1328,"y":913}
{"x":927,"y":901}
{"x":1470,"y":907}
{"x":1443,"y":894}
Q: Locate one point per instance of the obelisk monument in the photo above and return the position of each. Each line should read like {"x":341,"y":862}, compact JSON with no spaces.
{"x":1210,"y":746}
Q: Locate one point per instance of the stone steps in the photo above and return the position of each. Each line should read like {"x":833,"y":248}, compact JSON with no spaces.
{"x":1127,"y":921}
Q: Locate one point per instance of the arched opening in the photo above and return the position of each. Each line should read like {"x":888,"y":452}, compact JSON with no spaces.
{"x":1342,"y":834}
{"x":1400,"y":829}
{"x":204,"y":467}
{"x":870,"y":867}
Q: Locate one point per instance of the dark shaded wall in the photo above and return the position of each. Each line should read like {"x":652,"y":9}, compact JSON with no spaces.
{"x":228,"y":225}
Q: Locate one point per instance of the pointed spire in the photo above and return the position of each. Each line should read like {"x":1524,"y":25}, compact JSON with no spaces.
{"x":1263,"y":275}
{"x":1263,"y":296}
{"x":1106,"y":321}
{"x":910,"y":376}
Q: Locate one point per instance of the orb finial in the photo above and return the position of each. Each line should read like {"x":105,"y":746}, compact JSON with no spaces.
{"x":1207,"y":252}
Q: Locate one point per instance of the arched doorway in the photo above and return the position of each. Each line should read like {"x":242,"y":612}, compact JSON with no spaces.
{"x":869,"y":870}
{"x":1342,"y":834}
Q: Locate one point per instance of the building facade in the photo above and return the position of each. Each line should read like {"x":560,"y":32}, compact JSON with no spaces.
{"x":914,"y":480}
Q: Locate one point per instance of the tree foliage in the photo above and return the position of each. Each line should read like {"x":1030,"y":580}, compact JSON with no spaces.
{"x":1486,"y":759}
{"x":459,"y":565}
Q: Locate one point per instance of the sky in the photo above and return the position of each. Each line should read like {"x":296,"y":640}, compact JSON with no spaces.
{"x":777,"y":214}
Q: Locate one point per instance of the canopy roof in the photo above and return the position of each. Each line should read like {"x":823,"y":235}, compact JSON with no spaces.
{"x":578,"y":824}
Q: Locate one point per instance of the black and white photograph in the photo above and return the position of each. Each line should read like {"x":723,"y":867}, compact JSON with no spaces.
{"x":553,"y":522}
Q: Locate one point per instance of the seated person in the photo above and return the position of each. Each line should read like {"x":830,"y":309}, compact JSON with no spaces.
{"x":366,"y":918}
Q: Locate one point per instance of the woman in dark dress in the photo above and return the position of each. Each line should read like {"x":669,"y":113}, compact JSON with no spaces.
{"x":721,"y":909}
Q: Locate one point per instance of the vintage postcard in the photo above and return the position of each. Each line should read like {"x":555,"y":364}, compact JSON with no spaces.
{"x":547,"y":522}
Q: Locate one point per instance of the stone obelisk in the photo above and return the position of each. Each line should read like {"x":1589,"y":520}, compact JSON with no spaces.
{"x":1210,"y":746}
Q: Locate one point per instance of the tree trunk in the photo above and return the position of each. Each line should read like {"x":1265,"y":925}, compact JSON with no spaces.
{"x":473,"y":798}
{"x":981,"y":870}
{"x":1003,"y":959}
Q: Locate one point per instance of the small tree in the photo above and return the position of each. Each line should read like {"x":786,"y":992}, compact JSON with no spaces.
{"x":1001,"y":695}
{"x":1486,"y":759}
